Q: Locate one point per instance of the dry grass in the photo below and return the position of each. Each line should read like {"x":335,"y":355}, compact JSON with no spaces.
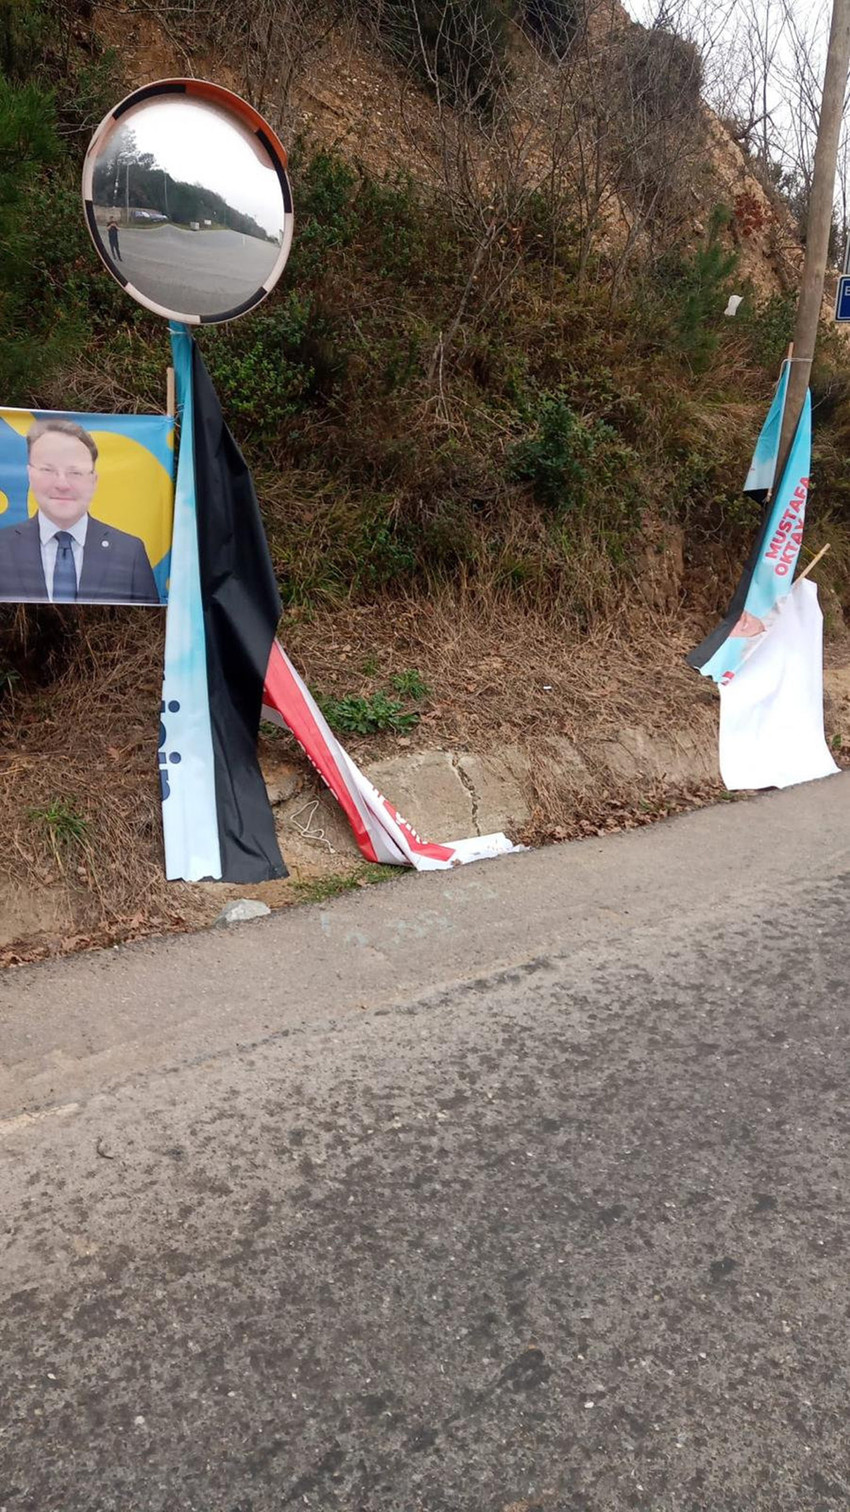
{"x":79,"y":793}
{"x":498,"y":671}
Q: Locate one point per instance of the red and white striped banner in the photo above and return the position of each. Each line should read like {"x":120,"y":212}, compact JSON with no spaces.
{"x":380,"y":831}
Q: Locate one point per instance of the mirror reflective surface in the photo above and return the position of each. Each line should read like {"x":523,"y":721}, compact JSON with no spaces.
{"x":188,"y":202}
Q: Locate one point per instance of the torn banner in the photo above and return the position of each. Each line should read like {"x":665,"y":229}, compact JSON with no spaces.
{"x":771,"y":712}
{"x":379,"y":829}
{"x":223,"y":666}
{"x":769,"y":572}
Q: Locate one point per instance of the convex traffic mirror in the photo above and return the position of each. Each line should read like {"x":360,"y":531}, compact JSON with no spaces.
{"x":188,"y":202}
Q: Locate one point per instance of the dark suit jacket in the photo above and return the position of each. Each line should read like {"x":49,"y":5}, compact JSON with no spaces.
{"x":115,"y":569}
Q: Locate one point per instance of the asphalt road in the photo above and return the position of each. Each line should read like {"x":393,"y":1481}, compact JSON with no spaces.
{"x":198,"y":272}
{"x":524,"y":1187}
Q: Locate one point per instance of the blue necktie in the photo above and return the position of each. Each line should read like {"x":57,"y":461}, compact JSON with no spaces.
{"x":64,"y":572}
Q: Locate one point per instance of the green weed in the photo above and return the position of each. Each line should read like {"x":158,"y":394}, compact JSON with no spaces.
{"x":62,"y":825}
{"x":411,"y":684}
{"x":322,"y":889}
{"x":367,"y":716}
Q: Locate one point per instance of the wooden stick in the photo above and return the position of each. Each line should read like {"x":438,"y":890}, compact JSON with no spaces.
{"x":170,"y":402}
{"x":813,"y":563}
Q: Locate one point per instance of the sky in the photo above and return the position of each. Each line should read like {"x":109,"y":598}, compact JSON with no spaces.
{"x":198,"y":144}
{"x":736,"y":37}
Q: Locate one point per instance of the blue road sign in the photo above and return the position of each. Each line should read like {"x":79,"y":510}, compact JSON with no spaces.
{"x":842,"y":298}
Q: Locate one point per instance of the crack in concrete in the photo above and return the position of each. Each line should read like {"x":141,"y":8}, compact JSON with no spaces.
{"x":468,"y":783}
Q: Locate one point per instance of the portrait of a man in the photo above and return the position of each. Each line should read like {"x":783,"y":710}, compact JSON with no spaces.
{"x":64,"y":553}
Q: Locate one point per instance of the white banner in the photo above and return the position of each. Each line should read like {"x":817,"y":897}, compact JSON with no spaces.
{"x":771,"y":710}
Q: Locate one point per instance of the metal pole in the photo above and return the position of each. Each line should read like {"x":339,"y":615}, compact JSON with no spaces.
{"x":818,"y":227}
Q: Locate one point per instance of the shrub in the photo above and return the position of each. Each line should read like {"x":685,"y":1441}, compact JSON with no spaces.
{"x":572,"y":462}
{"x":464,"y":43}
{"x":29,"y":145}
{"x":265,"y":369}
{"x":691,"y":290}
{"x":390,"y":222}
{"x":323,"y":190}
{"x":703,"y":292}
{"x":384,"y":553}
{"x":555,"y":460}
{"x":769,"y":327}
{"x":552,"y":23}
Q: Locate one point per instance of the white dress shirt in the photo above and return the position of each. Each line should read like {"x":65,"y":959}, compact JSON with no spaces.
{"x":47,"y":533}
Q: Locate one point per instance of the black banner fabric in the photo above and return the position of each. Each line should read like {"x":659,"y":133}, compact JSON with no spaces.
{"x":241,"y":611}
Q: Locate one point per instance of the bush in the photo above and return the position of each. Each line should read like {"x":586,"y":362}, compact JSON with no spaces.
{"x":571,"y":462}
{"x":323,"y":190}
{"x":265,"y":369}
{"x":29,"y":146}
{"x":464,"y":43}
{"x":703,"y":292}
{"x":660,"y":74}
{"x":384,"y":554}
{"x":50,"y":280}
{"x":691,"y":291}
{"x":555,"y":461}
{"x":769,"y":327}
{"x":553,"y":23}
{"x":390,"y":223}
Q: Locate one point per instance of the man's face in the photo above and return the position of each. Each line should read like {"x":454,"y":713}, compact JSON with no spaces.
{"x":62,"y":477}
{"x":747,"y":627}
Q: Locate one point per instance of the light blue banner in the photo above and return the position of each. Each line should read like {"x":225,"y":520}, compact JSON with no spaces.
{"x":187,"y":770}
{"x":773,"y":574}
{"x":761,"y":476}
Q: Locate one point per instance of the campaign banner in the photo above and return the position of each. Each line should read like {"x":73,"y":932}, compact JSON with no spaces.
{"x":769,"y":572}
{"x":86,"y":507}
{"x":380,"y":831}
{"x":186,"y":764}
{"x":771,"y":712}
{"x":762,"y":473}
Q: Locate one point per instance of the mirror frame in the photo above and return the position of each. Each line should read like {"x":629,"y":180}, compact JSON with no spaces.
{"x":231,"y":104}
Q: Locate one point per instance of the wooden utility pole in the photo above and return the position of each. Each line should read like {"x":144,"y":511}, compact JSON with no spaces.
{"x":818,"y":225}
